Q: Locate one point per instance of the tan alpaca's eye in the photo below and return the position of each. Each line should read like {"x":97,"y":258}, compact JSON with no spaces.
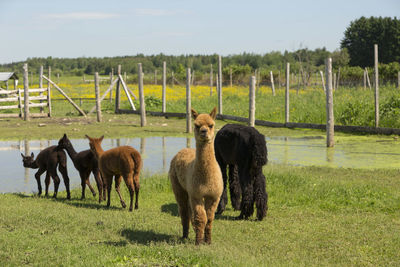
{"x":211,"y":126}
{"x":197,"y":126}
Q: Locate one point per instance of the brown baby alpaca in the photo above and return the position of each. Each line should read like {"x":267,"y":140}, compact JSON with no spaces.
{"x":118,"y":162}
{"x":197,"y":180}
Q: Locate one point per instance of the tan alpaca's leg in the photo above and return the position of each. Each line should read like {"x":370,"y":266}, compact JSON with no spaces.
{"x":211,"y":205}
{"x":136,"y":184}
{"x":199,"y":219}
{"x":118,"y":179}
{"x":108,"y":180}
{"x":131,"y":187}
{"x":182,"y":200}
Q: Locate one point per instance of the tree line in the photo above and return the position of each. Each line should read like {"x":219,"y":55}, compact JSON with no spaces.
{"x":355,"y":54}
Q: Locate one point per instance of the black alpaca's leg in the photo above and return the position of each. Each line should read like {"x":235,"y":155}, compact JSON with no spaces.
{"x":234,"y":187}
{"x":224,"y":196}
{"x":99,"y":183}
{"x":87,"y":181}
{"x":247,"y":205}
{"x":260,"y":196}
{"x":37,"y":177}
{"x":63,"y":169}
{"x":47,"y":184}
{"x":56,"y":180}
{"x":83,"y":184}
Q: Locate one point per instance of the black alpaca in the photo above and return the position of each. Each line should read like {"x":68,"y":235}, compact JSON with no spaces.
{"x":47,"y":161}
{"x":244,"y":149}
{"x":85,"y":162}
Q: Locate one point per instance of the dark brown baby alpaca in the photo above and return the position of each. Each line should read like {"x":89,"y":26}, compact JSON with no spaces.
{"x":118,"y":162}
{"x":47,"y":161}
{"x":85,"y":162}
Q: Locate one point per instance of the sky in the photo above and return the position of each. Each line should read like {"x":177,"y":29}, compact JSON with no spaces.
{"x":72,"y":28}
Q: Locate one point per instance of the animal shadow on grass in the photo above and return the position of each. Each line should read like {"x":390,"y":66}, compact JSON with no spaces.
{"x":146,"y":237}
{"x":81,"y":204}
{"x":172,"y":208}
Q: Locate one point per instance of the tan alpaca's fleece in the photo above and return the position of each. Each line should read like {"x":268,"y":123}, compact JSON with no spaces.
{"x":119,"y":162}
{"x":197,"y":180}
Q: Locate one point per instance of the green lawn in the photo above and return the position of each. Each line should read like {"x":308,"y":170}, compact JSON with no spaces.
{"x":317,"y":216}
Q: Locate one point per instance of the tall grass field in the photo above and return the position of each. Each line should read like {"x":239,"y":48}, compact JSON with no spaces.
{"x":352,"y":105}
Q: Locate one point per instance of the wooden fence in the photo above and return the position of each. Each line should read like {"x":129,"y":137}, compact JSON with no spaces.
{"x":23,"y":100}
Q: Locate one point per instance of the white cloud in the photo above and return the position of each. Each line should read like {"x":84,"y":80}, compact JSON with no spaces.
{"x":82,"y":16}
{"x":158,"y":12}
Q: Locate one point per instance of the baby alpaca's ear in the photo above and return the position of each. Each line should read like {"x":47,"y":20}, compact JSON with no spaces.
{"x":213,"y":113}
{"x":194,"y":114}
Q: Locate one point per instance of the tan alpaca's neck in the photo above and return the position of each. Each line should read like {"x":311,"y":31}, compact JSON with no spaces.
{"x":204,"y":153}
{"x":98,"y":150}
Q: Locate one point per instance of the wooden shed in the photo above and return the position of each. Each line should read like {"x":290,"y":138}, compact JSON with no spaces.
{"x":6,"y":76}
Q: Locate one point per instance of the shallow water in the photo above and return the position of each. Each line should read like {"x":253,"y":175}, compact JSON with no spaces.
{"x":157,"y":152}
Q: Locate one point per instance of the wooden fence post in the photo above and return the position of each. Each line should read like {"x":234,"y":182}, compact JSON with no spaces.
{"x":368,"y":81}
{"x":322,"y":79}
{"x":141,"y":96}
{"x":155,"y":77}
{"x":287,"y":94}
{"x":192,"y":78}
{"x":164,"y":87}
{"x":26,"y":93}
{"x":338,"y":80}
{"x":41,"y":86}
{"x":111,"y":80}
{"x":252,"y":101}
{"x":376,"y":85}
{"x":211,"y":80}
{"x":330,"y":124}
{"x":117,"y":91}
{"x":97,"y":93}
{"x":334,"y":81}
{"x":49,"y":91}
{"x":188,"y":103}
{"x":230,"y":76}
{"x":219,"y":85}
{"x":272,"y":83}
{"x":365,"y":79}
{"x":398,"y":80}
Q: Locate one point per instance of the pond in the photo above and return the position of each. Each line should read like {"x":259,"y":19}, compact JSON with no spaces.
{"x":157,"y":152}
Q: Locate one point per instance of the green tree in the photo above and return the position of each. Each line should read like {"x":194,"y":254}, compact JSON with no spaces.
{"x":363,"y":33}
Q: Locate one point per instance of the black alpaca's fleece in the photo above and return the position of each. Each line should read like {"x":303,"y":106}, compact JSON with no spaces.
{"x":244,"y":149}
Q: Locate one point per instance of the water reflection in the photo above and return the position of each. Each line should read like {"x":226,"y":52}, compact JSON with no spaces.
{"x":157,"y":153}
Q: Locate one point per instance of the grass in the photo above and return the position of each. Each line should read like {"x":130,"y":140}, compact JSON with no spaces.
{"x":317,"y":216}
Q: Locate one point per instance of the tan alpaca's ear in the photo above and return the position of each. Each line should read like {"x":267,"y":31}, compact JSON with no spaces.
{"x":101,"y":138}
{"x":32,"y":155}
{"x":87,"y":136}
{"x":194,"y":114}
{"x":213,"y":113}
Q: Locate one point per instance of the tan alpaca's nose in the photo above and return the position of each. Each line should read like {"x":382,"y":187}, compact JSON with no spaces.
{"x":203,"y":130}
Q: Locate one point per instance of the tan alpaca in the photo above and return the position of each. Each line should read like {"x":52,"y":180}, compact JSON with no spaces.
{"x":122,"y":161}
{"x":197,"y":180}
